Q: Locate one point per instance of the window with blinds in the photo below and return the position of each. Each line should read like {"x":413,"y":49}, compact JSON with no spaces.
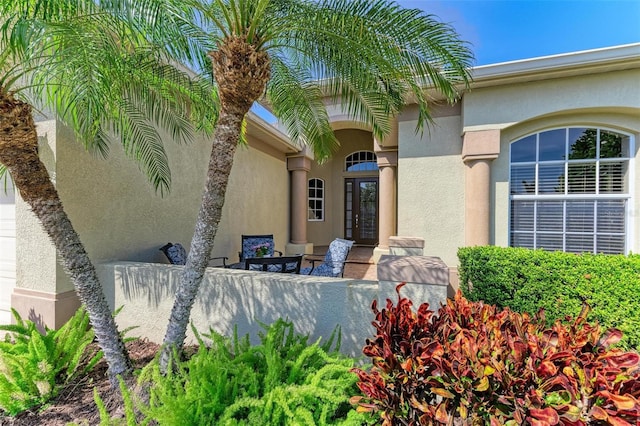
{"x":570,"y":190}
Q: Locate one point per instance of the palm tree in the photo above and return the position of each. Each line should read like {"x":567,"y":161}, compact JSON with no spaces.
{"x":101,"y":77}
{"x":371,"y":55}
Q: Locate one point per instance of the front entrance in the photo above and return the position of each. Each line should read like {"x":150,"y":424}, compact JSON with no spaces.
{"x":361,"y":210}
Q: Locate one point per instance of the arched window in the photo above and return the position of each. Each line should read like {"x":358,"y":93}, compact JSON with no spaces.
{"x":570,"y":190}
{"x":361,"y":161}
{"x":316,"y":200}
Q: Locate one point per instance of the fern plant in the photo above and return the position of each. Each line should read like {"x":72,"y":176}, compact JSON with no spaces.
{"x":34,"y":366}
{"x":282,"y":380}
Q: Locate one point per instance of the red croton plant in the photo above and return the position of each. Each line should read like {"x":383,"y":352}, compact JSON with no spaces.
{"x":471,"y":364}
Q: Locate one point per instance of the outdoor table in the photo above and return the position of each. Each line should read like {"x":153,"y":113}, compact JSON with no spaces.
{"x":282,"y":264}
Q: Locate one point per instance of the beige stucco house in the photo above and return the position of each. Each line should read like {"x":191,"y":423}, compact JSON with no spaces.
{"x":538,"y":153}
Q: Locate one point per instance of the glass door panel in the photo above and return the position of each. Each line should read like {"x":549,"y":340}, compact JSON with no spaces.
{"x":361,"y":210}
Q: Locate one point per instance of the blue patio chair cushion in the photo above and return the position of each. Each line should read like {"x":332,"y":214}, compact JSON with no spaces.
{"x":333,"y":264}
{"x":322,"y":270}
{"x":176,"y":253}
{"x":249,"y":246}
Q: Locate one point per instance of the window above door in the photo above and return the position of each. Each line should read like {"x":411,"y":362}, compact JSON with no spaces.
{"x":361,"y":161}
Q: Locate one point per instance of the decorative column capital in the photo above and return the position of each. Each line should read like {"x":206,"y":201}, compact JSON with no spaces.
{"x":390,"y":140}
{"x":387,"y":158}
{"x":299,"y":163}
{"x":480,"y":145}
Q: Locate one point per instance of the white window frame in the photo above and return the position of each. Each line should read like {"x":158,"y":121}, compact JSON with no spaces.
{"x":627,"y":196}
{"x":312,"y":184}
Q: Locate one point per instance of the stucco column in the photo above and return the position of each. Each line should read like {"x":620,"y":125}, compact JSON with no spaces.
{"x":479,"y":149}
{"x":43,"y":293}
{"x":299,"y":167}
{"x":387,"y":165}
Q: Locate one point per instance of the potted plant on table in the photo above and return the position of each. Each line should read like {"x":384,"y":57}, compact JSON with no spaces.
{"x":261,"y":250}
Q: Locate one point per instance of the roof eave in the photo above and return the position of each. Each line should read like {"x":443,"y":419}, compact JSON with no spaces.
{"x":608,"y":59}
{"x":269,"y":134}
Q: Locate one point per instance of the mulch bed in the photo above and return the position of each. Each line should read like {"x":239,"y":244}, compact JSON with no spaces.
{"x":75,"y":402}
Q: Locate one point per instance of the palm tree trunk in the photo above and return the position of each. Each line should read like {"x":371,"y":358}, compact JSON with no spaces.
{"x":224,"y":147}
{"x":19,"y":153}
{"x":241,"y":73}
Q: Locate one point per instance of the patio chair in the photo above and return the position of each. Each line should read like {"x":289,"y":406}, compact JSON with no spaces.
{"x":333,"y":263}
{"x":177,"y":254}
{"x":251,"y":243}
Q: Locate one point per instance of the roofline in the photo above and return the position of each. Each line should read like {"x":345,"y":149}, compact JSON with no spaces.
{"x":613,"y":58}
{"x":606,"y":59}
{"x":269,"y":133}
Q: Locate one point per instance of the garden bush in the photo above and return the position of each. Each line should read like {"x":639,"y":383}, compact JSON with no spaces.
{"x":282,"y":380}
{"x":35,"y":366}
{"x":526,"y":280}
{"x":473,"y":364}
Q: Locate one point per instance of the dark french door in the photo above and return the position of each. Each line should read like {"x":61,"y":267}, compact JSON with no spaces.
{"x":361,"y":210}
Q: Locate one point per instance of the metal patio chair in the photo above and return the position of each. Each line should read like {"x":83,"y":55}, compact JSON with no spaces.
{"x":177,"y":254}
{"x":333,"y":263}
{"x":251,"y":243}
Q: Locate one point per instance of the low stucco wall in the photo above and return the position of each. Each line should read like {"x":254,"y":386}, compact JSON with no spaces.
{"x":236,"y":297}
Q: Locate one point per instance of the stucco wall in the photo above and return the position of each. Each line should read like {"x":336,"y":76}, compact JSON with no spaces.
{"x":228,"y":298}
{"x":431,"y":184}
{"x":502,"y":106}
{"x":119,"y":216}
{"x":36,"y":265}
{"x":236,"y":297}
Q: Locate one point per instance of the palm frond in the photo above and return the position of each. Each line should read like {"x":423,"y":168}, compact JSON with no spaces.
{"x":97,"y":61}
{"x":373,"y":56}
{"x":172,"y":24}
{"x":297,"y":102}
{"x":107,"y":81}
{"x":142,"y":143}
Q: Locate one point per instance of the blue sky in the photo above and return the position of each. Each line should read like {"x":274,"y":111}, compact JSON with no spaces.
{"x":506,"y":30}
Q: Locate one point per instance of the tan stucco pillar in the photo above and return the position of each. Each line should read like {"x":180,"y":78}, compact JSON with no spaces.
{"x":299,"y":167}
{"x":43,"y":293}
{"x":479,"y":149}
{"x":387,"y":219}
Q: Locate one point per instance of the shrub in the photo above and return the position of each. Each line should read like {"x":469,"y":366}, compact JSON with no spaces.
{"x":474,"y":364}
{"x":525,"y":280}
{"x":34,"y":366}
{"x":282,"y":380}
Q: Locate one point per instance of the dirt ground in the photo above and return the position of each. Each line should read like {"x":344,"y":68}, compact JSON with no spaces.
{"x":75,"y":402}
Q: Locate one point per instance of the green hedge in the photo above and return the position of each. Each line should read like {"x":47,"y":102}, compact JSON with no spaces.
{"x":526,"y":280}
